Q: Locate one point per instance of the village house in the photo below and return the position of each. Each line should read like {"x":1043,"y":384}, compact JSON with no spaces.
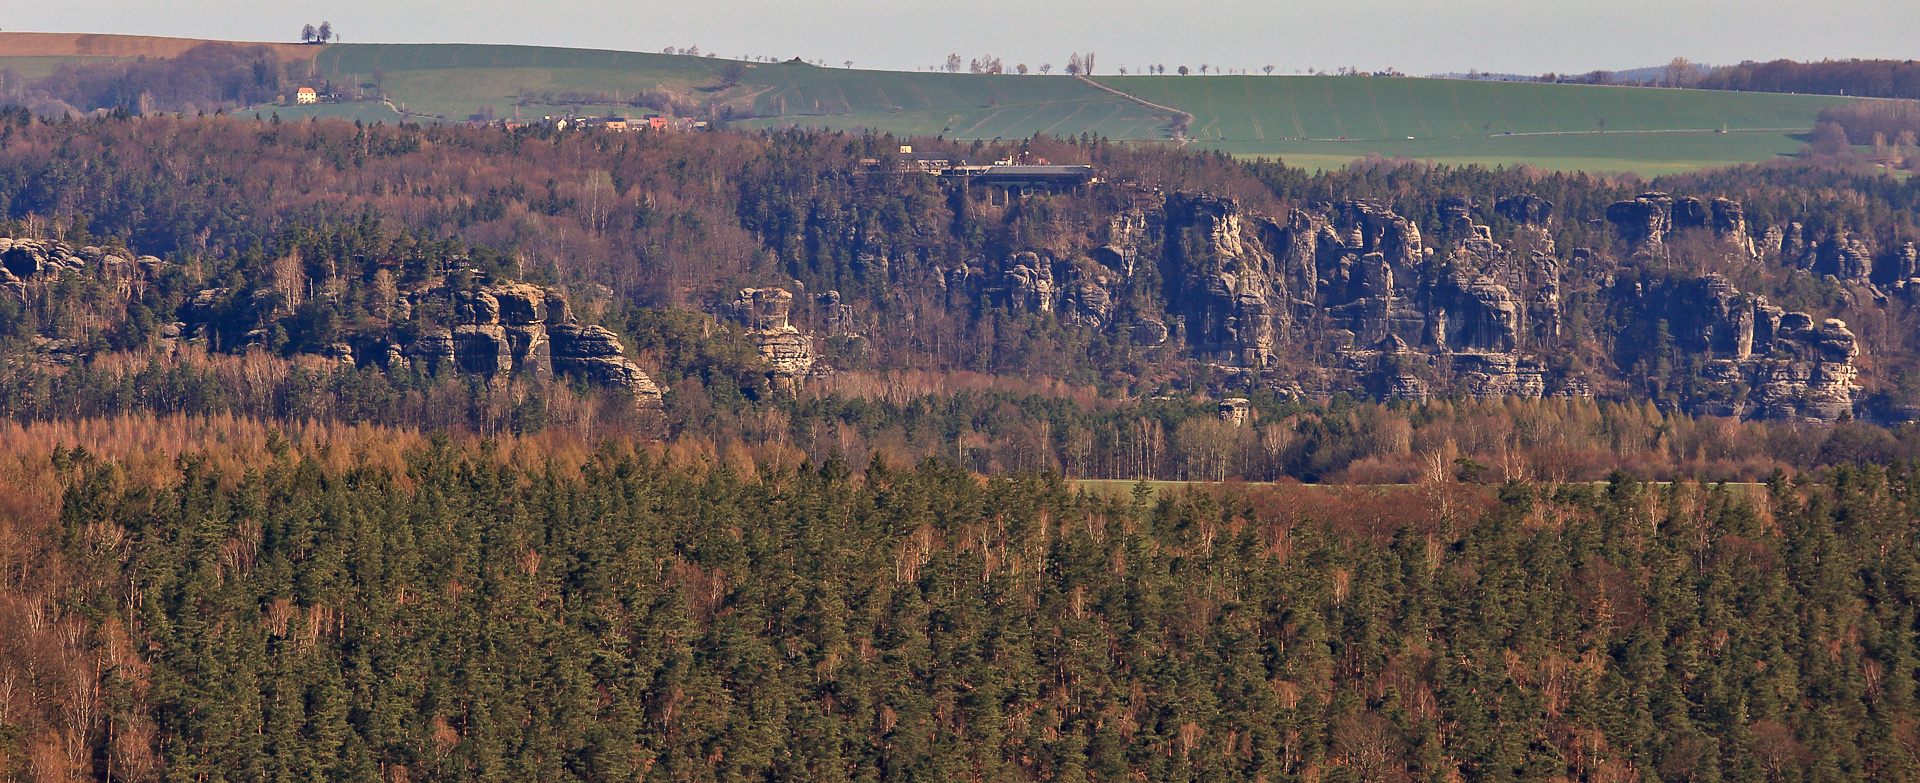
{"x":306,"y":95}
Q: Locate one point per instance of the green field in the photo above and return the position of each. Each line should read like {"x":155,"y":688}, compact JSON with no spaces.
{"x":1648,"y":153}
{"x":31,"y":68}
{"x":1314,"y":121}
{"x":364,"y":112}
{"x":1325,"y":121}
{"x":1270,"y":108}
{"x":456,"y":80}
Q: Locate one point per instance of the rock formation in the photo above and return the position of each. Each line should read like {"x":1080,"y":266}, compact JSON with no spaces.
{"x":1348,"y":295}
{"x":1525,"y":209}
{"x":502,"y":330}
{"x":24,"y":262}
{"x":1236,"y":411}
{"x":524,"y":330}
{"x":1643,"y":223}
{"x":1322,"y":298}
{"x":767,"y":314}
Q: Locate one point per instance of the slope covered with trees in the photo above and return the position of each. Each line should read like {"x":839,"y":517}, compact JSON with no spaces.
{"x":292,"y":262}
{"x":361,"y":607}
{"x":315,"y":470}
{"x":1860,"y":78}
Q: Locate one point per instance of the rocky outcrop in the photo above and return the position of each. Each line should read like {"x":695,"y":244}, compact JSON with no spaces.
{"x":767,"y":314}
{"x":1474,"y":314}
{"x":24,"y":262}
{"x":1237,"y":411}
{"x":1728,"y":220}
{"x":1348,"y":295}
{"x":30,"y":268}
{"x":595,"y":353}
{"x":1643,"y":223}
{"x":1525,"y":209}
{"x":1762,"y":360}
{"x":835,"y":316}
{"x":1491,"y":376}
{"x":1646,"y":222}
{"x":1029,"y":284}
{"x":1226,"y":283}
{"x":520,"y":330}
{"x":1844,"y":257}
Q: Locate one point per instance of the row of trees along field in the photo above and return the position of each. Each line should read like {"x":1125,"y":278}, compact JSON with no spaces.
{"x":1863,"y":78}
{"x":214,"y":599}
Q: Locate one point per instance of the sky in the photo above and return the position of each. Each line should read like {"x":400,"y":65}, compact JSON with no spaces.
{"x":1413,"y":36}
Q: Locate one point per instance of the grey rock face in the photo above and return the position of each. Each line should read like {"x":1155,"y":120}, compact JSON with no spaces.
{"x":24,"y":259}
{"x":1474,"y":315}
{"x":527,"y":331}
{"x":595,"y":353}
{"x":1350,"y":291}
{"x":1771,"y":362}
{"x":1525,"y":209}
{"x":1029,"y":284}
{"x":767,"y":314}
{"x":1729,"y":222}
{"x":1236,"y":411}
{"x":482,"y":350}
{"x":433,"y":348}
{"x":1150,"y":332}
{"x":1643,"y":223}
{"x":519,"y":304}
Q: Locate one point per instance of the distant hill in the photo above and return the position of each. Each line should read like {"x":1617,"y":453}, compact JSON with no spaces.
{"x":1316,"y":120}
{"x":127,"y":46}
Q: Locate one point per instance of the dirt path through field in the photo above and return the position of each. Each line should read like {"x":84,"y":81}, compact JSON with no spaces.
{"x":1180,"y":131}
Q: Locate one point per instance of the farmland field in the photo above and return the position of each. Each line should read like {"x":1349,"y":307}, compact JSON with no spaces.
{"x":1265,"y":108}
{"x":1325,"y":122}
{"x":1313,"y":121}
{"x":1649,"y":153}
{"x":364,"y":112}
{"x":30,"y":68}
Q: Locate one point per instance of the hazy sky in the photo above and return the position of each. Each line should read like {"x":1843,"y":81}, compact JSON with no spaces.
{"x":1415,"y":36}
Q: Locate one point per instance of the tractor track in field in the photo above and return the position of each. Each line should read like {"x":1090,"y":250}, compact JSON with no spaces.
{"x":1179,"y":135}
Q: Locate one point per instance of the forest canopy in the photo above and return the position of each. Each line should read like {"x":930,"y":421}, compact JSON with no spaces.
{"x":365,"y":604}
{"x":212,"y":76}
{"x":300,"y":483}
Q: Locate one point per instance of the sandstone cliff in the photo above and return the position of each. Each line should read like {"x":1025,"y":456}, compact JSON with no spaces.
{"x":498,"y":330}
{"x":1350,"y":296}
{"x":519,"y":329}
{"x":767,"y":314}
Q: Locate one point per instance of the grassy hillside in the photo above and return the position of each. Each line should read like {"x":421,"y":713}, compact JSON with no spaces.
{"x":455,"y":80}
{"x":1312,"y":120}
{"x":1265,"y":108}
{"x":1323,"y":121}
{"x":124,"y":46}
{"x":1648,"y":153}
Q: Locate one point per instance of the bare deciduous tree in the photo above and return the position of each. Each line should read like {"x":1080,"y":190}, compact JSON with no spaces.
{"x":1680,"y":72}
